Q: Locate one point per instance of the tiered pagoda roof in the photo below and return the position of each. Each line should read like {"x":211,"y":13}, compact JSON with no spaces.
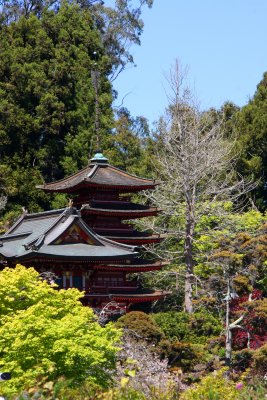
{"x":102,"y":193}
{"x":99,"y":173}
{"x":133,"y":237}
{"x":140,"y":296}
{"x":136,"y":265}
{"x":125,"y":210}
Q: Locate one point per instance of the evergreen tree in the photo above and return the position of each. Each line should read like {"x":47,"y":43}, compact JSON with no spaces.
{"x":120,"y":25}
{"x":128,"y":146}
{"x":47,"y":105}
{"x":251,"y":126}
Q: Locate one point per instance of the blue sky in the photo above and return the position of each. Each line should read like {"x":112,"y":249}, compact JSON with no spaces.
{"x":223,"y":43}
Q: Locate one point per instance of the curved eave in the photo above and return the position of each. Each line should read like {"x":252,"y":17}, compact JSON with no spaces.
{"x":101,"y":175}
{"x":127,"y":188}
{"x":67,"y":258}
{"x":139,"y":298}
{"x":132,"y":267}
{"x":6,"y":257}
{"x":127,"y":214}
{"x":136,"y":240}
{"x":66,"y":262}
{"x":129,"y":298}
{"x":75,"y":188}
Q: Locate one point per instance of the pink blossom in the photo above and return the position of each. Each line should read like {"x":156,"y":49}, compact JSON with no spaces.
{"x":239,"y":385}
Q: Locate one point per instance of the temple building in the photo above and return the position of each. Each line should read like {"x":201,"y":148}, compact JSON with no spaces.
{"x":103,"y":193}
{"x":89,"y":245}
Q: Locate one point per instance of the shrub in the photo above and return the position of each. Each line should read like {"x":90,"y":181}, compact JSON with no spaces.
{"x":259,"y":358}
{"x":142,"y":324}
{"x":242,"y":285}
{"x":254,"y":322}
{"x":242,"y":359}
{"x":212,"y":387}
{"x":183,"y":355}
{"x":143,"y":370}
{"x":46,"y":334}
{"x":175,"y":325}
{"x":191,"y":328}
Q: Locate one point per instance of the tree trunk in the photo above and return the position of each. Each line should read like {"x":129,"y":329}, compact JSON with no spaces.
{"x":188,"y":253}
{"x":188,"y":294}
{"x":228,"y":339}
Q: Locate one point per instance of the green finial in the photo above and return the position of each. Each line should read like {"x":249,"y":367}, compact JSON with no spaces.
{"x":99,"y":158}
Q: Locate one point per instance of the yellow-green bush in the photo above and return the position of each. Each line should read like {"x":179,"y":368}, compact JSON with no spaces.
{"x":260,"y":360}
{"x":141,"y":323}
{"x":212,"y":387}
{"x":242,"y":285}
{"x":190,"y":328}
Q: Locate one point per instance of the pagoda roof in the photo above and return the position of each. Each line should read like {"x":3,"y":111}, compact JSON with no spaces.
{"x":136,"y":296}
{"x":133,"y":237}
{"x":121,"y":209}
{"x":99,"y":173}
{"x":59,"y":234}
{"x":137,"y":265}
{"x":145,"y":296}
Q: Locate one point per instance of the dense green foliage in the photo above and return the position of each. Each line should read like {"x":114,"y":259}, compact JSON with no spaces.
{"x":119,"y":24}
{"x":129,"y":145}
{"x":249,"y":125}
{"x":47,"y":104}
{"x":142,"y":324}
{"x":46,"y":334}
{"x":188,"y":328}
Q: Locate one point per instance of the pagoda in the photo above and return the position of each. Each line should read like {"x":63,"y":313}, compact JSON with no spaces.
{"x":103,"y":194}
{"x":88,"y":245}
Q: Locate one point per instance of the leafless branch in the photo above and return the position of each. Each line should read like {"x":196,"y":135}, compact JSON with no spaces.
{"x":196,"y":168}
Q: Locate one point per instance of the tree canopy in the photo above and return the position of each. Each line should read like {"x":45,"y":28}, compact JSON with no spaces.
{"x":46,"y":334}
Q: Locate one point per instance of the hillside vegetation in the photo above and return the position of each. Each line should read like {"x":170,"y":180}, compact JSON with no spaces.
{"x":208,"y":338}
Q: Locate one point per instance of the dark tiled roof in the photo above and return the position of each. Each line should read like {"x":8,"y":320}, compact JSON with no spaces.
{"x":99,"y":174}
{"x":36,"y":236}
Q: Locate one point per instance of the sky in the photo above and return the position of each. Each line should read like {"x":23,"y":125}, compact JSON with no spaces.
{"x":222,"y":42}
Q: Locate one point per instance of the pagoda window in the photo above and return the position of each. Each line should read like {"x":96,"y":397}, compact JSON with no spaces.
{"x":100,"y":279}
{"x":116,"y":281}
{"x":110,"y":281}
{"x":84,"y":282}
{"x":106,"y":281}
{"x":67,"y":280}
{"x":59,"y":282}
{"x":78,"y":282}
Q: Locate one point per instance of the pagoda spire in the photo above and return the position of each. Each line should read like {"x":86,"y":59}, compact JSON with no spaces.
{"x":98,"y":158}
{"x":95,"y":74}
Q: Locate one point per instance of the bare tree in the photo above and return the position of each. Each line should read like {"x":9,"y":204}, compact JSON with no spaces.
{"x":196,"y":167}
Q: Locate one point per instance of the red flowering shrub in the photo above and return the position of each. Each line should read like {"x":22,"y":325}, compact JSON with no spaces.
{"x":253,"y":333}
